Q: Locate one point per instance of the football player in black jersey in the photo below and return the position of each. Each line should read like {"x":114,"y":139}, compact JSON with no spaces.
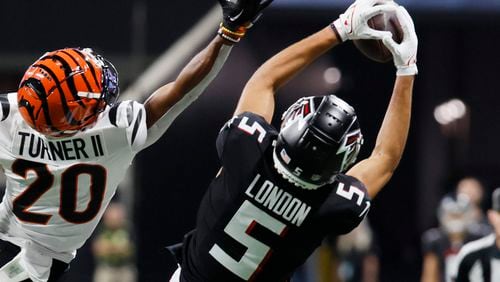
{"x":279,"y":193}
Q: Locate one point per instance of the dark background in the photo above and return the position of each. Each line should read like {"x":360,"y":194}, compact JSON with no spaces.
{"x":458,"y":58}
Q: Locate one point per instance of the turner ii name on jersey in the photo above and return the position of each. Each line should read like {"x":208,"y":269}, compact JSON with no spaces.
{"x":30,"y":145}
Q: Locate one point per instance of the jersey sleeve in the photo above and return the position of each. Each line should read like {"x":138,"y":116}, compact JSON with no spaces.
{"x":243,"y":139}
{"x":5,"y":105}
{"x":350,"y":203}
{"x":131,"y":116}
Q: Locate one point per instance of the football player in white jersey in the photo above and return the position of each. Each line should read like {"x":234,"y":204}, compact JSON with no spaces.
{"x":65,"y":144}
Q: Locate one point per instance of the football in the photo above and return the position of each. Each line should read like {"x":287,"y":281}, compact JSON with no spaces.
{"x":375,"y":49}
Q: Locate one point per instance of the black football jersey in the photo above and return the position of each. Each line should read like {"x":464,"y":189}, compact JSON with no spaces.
{"x":254,"y":225}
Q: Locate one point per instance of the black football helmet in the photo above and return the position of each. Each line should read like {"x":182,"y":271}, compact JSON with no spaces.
{"x":319,"y":138}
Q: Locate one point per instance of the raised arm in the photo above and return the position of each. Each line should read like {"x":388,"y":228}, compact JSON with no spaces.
{"x":190,"y":83}
{"x":258,"y":95}
{"x":376,"y":170}
{"x":166,"y":103}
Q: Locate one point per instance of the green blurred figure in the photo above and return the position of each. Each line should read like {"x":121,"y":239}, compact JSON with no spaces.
{"x":113,"y":248}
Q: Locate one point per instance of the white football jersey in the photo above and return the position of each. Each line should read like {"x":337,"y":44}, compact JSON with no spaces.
{"x":58,"y":188}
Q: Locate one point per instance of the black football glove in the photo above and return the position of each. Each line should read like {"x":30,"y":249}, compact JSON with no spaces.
{"x":238,"y":16}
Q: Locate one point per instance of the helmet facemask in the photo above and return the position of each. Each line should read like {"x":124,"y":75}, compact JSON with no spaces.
{"x":110,"y":89}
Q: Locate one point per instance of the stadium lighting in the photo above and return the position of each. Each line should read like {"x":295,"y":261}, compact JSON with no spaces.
{"x":450,"y":111}
{"x":332,"y":75}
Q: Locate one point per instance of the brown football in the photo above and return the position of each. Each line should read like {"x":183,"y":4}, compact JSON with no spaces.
{"x":375,"y":49}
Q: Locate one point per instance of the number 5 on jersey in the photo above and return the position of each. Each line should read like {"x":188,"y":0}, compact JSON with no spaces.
{"x":252,"y":129}
{"x":349,"y":195}
{"x":239,"y":229}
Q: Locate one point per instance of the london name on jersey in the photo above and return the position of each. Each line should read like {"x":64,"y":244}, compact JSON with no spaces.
{"x":278,"y":201}
{"x":31,"y":145}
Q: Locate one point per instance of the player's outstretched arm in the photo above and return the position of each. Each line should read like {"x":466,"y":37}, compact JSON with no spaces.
{"x":166,"y":103}
{"x":378,"y":169}
{"x":258,"y":95}
{"x":190,"y":83}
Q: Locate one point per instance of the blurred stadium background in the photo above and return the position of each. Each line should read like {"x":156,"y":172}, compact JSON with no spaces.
{"x":458,"y":59}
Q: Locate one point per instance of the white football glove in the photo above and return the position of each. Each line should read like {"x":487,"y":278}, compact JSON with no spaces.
{"x":405,"y":53}
{"x":353,"y":23}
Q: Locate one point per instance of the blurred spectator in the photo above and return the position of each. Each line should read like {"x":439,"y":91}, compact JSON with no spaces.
{"x":473,"y":188}
{"x":456,"y":214}
{"x":358,"y":261}
{"x":113,"y":248}
{"x":480,"y":260}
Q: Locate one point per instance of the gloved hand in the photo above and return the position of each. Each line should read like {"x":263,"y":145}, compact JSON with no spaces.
{"x":404,"y":53}
{"x":353,"y":23}
{"x":238,"y":16}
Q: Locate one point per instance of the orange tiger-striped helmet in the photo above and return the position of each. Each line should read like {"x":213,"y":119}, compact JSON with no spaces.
{"x":65,"y":90}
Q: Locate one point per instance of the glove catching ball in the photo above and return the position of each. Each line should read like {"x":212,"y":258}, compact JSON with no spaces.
{"x":375,"y":49}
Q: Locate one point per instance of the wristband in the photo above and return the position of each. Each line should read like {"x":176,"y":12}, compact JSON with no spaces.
{"x":407,"y":70}
{"x":233,"y":36}
{"x":336,"y":30}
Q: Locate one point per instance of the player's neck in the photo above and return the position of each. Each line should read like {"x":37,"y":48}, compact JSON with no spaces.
{"x":498,"y":241}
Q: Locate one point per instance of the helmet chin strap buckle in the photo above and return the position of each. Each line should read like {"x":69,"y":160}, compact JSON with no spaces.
{"x":89,"y":95}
